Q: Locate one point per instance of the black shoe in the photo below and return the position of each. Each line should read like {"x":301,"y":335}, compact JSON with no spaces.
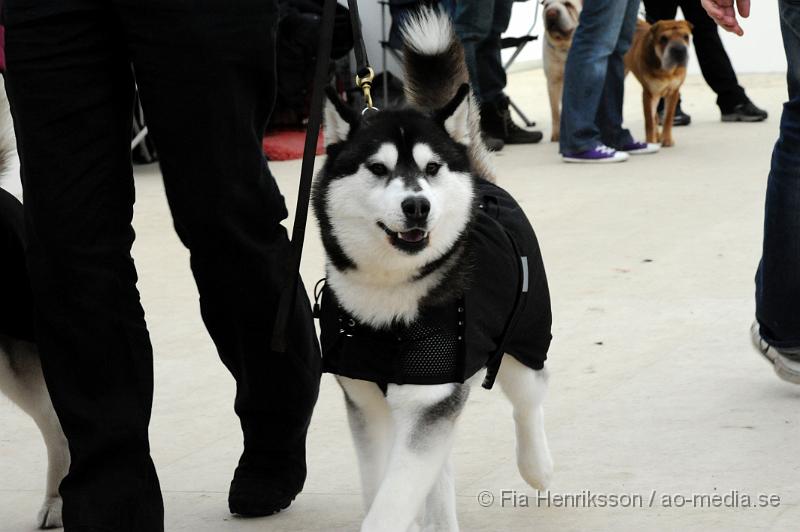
{"x":259,"y":489}
{"x":492,"y":143}
{"x":745,"y":112}
{"x":681,"y":118}
{"x":496,"y":122}
{"x":517,"y":135}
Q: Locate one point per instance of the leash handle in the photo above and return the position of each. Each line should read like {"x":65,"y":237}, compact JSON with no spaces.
{"x":289,"y":292}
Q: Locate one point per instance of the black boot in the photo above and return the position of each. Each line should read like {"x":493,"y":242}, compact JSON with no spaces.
{"x":264,"y":485}
{"x":496,"y":122}
{"x":514,"y":133}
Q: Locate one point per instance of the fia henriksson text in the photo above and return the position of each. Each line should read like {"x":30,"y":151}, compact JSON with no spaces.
{"x":732,"y":499}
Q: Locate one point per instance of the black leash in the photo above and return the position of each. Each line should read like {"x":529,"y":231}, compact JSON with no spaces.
{"x":364,"y":78}
{"x":364,"y":73}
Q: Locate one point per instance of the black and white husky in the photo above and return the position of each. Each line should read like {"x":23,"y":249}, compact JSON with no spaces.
{"x":403,"y":202}
{"x":21,"y":376}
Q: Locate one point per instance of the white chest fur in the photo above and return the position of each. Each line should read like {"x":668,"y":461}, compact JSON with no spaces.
{"x":378,"y":299}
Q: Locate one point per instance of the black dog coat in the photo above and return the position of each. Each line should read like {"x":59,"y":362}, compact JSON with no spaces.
{"x":505,"y":309}
{"x":16,"y":300}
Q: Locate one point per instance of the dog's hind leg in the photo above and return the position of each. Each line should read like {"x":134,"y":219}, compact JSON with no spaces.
{"x":439,"y":513}
{"x":526,"y":389}
{"x":22,"y":380}
{"x":424,"y":418}
{"x":371,"y":426}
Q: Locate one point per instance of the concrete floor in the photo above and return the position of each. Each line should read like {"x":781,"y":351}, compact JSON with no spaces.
{"x":655,"y":388}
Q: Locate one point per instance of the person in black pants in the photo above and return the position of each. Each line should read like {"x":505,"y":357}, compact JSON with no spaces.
{"x":715,"y":65}
{"x":205,"y":70}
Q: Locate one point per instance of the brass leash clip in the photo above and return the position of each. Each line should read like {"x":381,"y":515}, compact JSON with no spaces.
{"x":365,"y":84}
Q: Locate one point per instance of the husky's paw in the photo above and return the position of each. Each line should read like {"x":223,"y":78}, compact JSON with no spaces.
{"x":49,"y":515}
{"x":536,"y":468}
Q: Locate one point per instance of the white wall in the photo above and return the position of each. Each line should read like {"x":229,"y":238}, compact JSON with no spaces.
{"x":760,"y":50}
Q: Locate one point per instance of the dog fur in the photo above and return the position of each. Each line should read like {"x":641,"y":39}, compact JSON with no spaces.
{"x":21,"y":378}
{"x":379,"y":268}
{"x":560,"y":21}
{"x":658,"y":58}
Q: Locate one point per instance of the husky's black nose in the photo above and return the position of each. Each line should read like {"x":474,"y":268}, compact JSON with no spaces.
{"x":416,"y":209}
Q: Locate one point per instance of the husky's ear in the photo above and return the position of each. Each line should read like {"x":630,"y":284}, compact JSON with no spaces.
{"x":339,"y":118}
{"x":455,"y":115}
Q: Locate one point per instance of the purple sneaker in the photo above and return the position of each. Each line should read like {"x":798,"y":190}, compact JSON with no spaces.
{"x":598,"y":154}
{"x":640,"y":148}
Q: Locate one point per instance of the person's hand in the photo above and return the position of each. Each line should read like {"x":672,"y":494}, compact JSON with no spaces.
{"x":724,"y":13}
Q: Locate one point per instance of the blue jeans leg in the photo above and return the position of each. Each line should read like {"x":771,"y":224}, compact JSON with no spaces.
{"x":491,"y":74}
{"x":473,"y":25}
{"x":778,"y":276}
{"x":595,"y":40}
{"x":609,"y":112}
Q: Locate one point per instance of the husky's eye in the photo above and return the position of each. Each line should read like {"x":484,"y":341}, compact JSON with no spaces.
{"x":432,"y":168}
{"x":379,"y":169}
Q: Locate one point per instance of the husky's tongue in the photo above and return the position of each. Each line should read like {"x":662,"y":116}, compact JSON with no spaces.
{"x":415,"y":235}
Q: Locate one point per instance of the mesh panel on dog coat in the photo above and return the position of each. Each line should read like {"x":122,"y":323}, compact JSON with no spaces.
{"x":505,"y":309}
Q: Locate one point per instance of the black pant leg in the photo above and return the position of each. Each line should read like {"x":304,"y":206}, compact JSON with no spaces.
{"x":660,"y":10}
{"x":16,"y":310}
{"x":70,"y":89}
{"x":714,"y":61}
{"x":206,"y":75}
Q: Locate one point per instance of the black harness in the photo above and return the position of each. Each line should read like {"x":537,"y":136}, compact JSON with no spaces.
{"x":505,"y":309}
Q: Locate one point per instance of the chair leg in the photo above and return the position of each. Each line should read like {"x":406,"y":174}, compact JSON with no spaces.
{"x":528,"y":123}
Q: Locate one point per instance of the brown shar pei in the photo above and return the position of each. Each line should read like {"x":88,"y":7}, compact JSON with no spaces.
{"x":658,"y":58}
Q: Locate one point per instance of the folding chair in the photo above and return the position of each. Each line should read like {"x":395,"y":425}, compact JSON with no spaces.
{"x":519,"y":43}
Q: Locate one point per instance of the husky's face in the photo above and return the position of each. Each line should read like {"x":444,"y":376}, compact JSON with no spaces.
{"x":396,"y":192}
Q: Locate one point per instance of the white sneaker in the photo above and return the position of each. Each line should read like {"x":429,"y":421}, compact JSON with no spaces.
{"x":786,"y":368}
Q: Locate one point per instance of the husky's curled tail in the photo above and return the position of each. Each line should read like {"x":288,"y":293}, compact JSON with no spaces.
{"x":434,"y":68}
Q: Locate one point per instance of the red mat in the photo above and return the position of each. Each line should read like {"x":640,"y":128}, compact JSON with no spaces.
{"x":286,"y":145}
